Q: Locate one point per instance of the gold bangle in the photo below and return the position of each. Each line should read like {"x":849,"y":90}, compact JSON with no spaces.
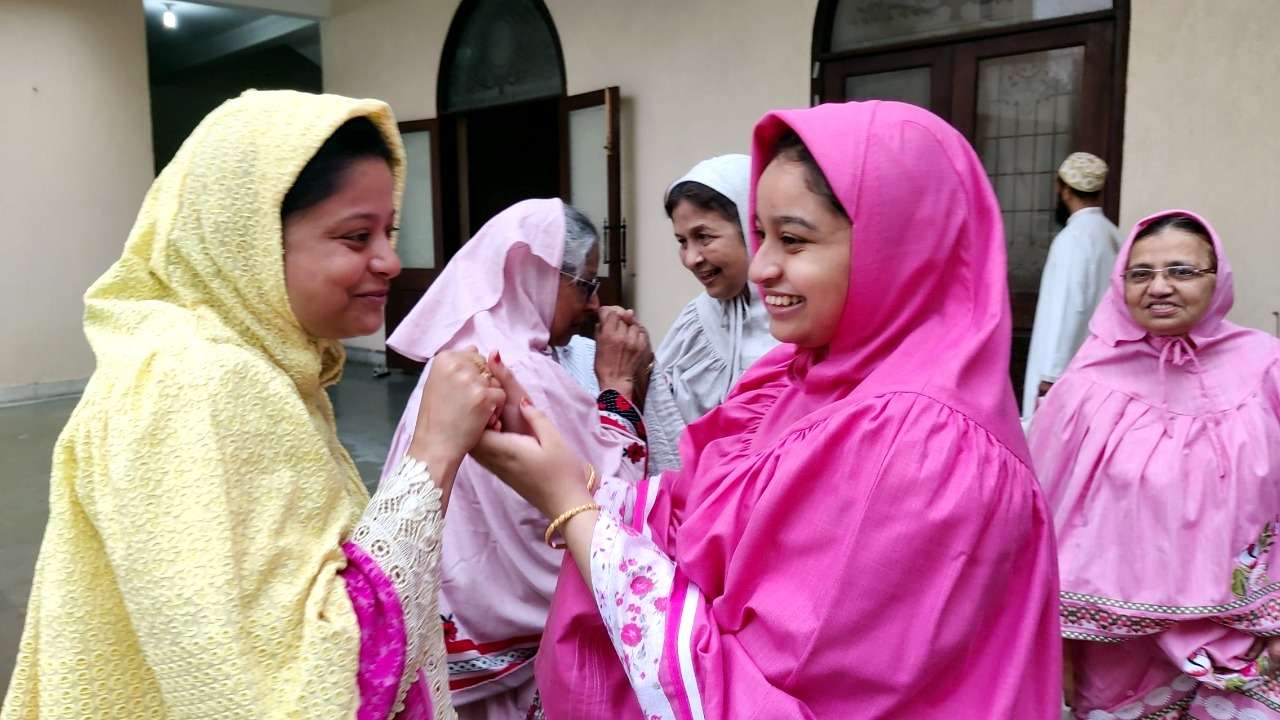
{"x":591,"y":479}
{"x":564,"y":517}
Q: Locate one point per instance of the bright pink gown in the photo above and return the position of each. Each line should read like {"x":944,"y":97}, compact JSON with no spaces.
{"x":856,"y":532}
{"x":1160,"y":458}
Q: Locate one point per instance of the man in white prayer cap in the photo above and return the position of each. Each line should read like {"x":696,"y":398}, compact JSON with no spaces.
{"x":1076,"y":274}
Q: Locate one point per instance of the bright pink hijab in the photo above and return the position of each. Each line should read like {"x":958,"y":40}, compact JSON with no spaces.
{"x":499,"y":293}
{"x":860,"y":518}
{"x":1161,"y":461}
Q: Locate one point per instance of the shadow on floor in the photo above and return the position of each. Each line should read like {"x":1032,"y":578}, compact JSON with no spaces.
{"x":367,"y":409}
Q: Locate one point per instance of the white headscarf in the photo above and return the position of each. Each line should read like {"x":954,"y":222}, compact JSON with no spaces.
{"x":713,"y":341}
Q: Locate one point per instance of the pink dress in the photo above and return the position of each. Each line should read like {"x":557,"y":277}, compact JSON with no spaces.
{"x":1160,"y":457}
{"x":497,"y":574}
{"x":856,"y":532}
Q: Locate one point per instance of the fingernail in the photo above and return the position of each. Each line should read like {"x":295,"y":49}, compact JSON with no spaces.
{"x":526,"y":402}
{"x":497,"y":357}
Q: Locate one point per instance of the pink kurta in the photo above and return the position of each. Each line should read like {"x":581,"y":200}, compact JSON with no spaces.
{"x":856,"y":532}
{"x":497,"y":574}
{"x":1160,"y":457}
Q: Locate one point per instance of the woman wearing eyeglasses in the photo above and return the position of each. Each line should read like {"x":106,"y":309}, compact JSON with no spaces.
{"x":516,"y":290}
{"x":1160,"y":453}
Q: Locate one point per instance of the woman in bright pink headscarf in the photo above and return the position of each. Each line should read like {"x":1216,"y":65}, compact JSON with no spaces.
{"x":518,"y":288}
{"x":1159,"y":450}
{"x":856,"y":532}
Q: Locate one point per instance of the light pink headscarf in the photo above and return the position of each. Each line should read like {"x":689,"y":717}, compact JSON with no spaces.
{"x":860,"y":518}
{"x":1161,"y":460}
{"x":499,"y":293}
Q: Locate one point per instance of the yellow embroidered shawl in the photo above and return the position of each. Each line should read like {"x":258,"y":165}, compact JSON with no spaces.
{"x":199,"y":493}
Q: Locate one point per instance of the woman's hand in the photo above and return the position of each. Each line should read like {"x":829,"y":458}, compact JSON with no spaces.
{"x":510,"y":419}
{"x":624,"y":356}
{"x":540,"y":467}
{"x":459,"y":400}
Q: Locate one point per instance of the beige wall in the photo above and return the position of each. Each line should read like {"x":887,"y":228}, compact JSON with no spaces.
{"x":694,"y":80}
{"x":400,"y":67}
{"x":1202,"y":131}
{"x":1201,"y":114}
{"x":75,"y":146}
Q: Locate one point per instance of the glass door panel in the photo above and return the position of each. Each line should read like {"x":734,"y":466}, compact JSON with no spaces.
{"x":913,"y":85}
{"x":1027,"y":114}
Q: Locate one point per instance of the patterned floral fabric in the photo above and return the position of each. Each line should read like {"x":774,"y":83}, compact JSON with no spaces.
{"x":632,"y":581}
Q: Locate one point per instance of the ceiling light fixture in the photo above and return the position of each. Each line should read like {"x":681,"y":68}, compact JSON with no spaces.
{"x":170,"y":19}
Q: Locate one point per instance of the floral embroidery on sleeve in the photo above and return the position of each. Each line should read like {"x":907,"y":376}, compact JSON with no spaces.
{"x":615,"y":498}
{"x":632,"y":580}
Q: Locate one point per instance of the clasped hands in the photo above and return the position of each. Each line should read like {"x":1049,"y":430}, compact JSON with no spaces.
{"x":472,"y":404}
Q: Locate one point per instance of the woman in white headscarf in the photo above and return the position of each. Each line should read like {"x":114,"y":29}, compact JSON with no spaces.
{"x":722,"y":331}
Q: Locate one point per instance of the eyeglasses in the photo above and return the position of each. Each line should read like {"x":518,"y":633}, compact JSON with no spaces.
{"x":588,"y":287}
{"x":1175,"y":273}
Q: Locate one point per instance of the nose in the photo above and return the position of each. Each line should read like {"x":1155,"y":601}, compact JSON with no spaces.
{"x":384,"y":262}
{"x":1160,"y":286}
{"x":593,"y":302}
{"x":690,"y":256}
{"x":765,"y":268}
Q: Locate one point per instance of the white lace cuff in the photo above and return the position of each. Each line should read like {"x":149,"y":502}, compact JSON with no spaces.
{"x":400,"y":530}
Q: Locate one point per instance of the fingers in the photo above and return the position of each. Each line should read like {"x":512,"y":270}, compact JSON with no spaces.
{"x":501,"y":372}
{"x":614,"y":312}
{"x":506,"y":379}
{"x":612,"y":325}
{"x":626,"y":315}
{"x":504,"y":453}
{"x":495,"y":450}
{"x":543,"y":429}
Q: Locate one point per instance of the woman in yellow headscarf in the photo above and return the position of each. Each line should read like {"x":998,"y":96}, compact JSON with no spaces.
{"x":211,"y":551}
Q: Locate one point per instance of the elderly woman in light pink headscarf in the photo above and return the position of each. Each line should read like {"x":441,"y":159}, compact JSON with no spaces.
{"x":516,"y":291}
{"x":1159,"y":450}
{"x":856,"y":531}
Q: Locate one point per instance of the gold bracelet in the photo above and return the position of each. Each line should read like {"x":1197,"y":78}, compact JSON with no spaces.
{"x":564,"y":517}
{"x":591,"y":479}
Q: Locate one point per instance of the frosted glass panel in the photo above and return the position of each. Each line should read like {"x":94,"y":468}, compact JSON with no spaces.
{"x":866,"y":23}
{"x":505,"y":52}
{"x":417,"y":246}
{"x":589,"y":170}
{"x":909,"y":86}
{"x":1028,"y":112}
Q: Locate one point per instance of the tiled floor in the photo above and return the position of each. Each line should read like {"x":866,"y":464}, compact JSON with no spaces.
{"x":368,"y":409}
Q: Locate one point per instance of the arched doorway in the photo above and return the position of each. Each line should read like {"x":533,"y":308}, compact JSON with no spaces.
{"x":506,"y":131}
{"x":1026,"y":81}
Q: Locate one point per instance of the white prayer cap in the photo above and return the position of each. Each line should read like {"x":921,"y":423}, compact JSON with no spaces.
{"x":1084,"y":172}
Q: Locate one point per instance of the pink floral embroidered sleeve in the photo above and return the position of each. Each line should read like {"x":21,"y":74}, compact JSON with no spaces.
{"x":632,"y":581}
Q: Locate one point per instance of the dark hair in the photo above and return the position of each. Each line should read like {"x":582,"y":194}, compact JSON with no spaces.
{"x":703,"y":198}
{"x":357,"y":138}
{"x":791,"y":147}
{"x":1185,"y":223}
{"x":1089,"y":197}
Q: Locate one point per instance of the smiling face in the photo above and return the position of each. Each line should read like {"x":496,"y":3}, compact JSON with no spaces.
{"x":712,"y":248}
{"x":802,"y":265}
{"x":1166,"y":306}
{"x":338,"y":257}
